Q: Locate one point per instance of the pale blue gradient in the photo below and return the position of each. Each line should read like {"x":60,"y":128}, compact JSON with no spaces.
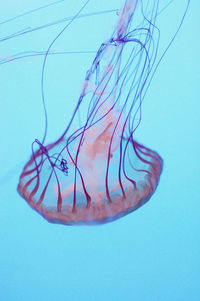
{"x":152,"y":254}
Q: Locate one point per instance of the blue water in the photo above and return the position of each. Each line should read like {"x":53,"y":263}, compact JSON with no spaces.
{"x":152,"y":254}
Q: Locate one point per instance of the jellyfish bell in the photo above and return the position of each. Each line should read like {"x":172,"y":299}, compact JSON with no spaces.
{"x":108,"y":176}
{"x":98,"y":172}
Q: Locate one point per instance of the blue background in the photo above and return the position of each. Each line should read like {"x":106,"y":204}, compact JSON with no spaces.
{"x":152,"y":254}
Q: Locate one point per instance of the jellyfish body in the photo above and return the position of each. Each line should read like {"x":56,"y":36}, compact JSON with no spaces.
{"x":97,"y":172}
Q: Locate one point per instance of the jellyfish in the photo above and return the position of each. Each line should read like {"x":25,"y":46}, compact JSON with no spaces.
{"x":97,"y":172}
